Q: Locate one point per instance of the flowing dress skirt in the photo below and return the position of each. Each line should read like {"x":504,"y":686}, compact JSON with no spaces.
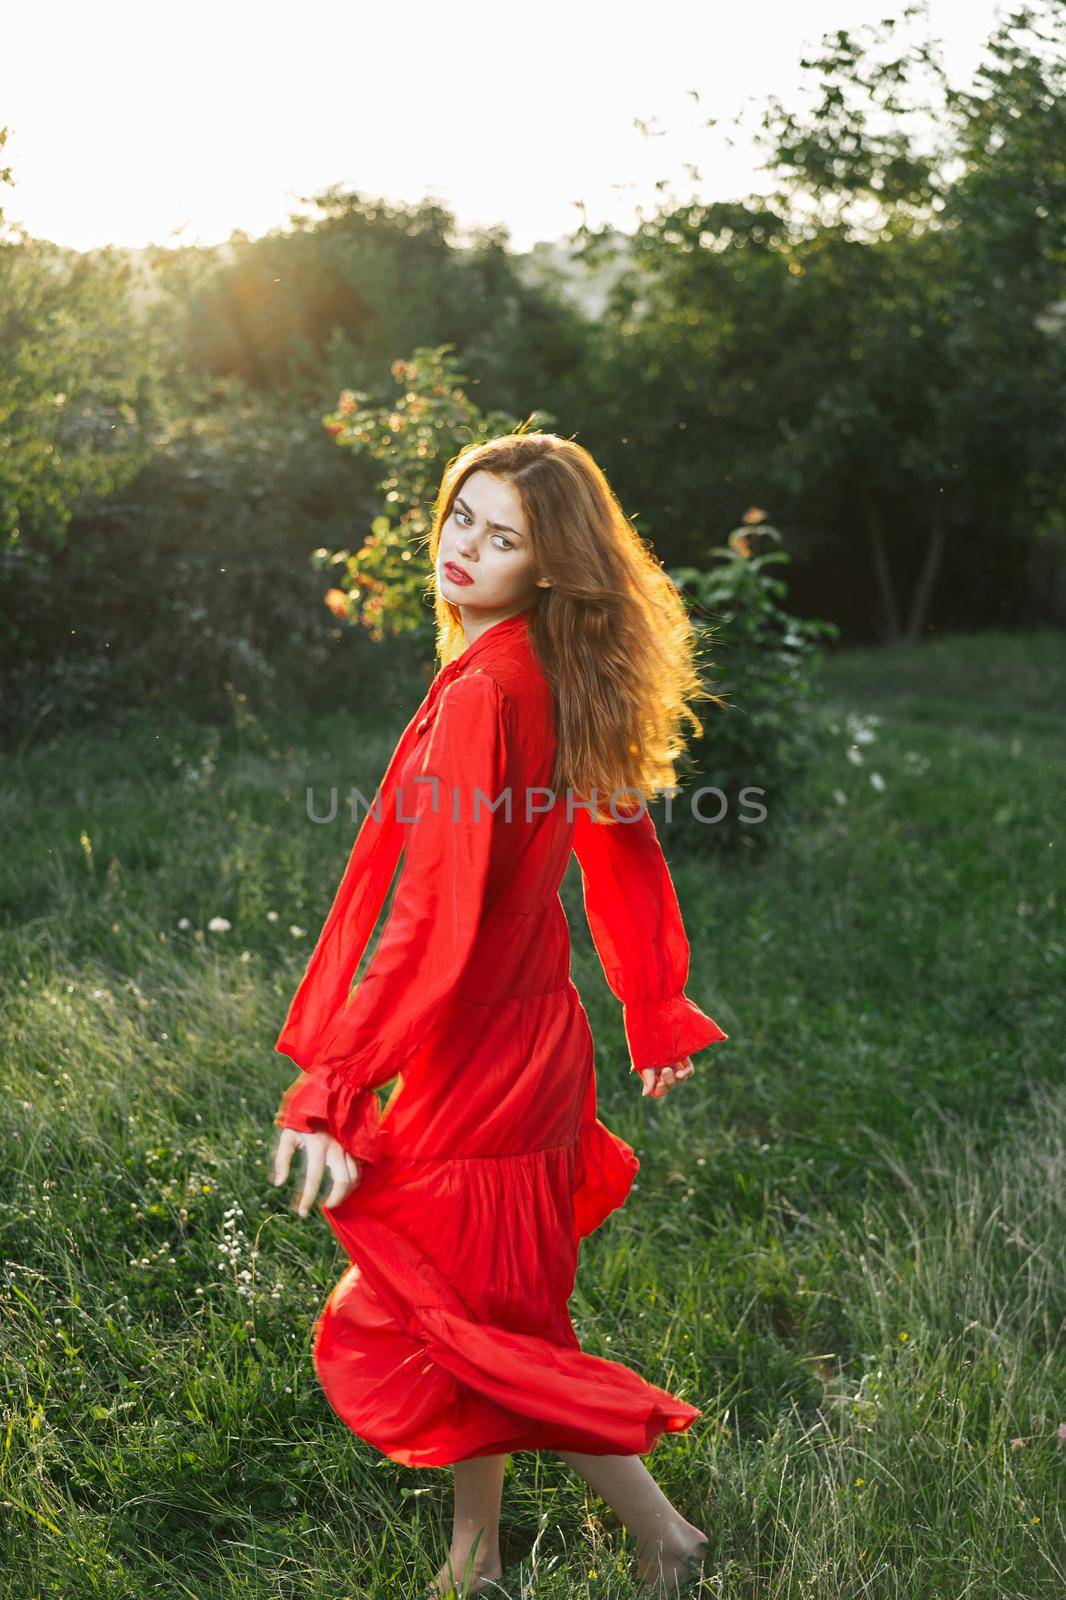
{"x":449,"y":1335}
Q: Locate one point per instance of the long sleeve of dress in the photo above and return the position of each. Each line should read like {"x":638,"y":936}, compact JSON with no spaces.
{"x":431,"y":928}
{"x":635,"y":921}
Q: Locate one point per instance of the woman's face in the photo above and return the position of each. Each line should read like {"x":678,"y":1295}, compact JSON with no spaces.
{"x":487,"y":538}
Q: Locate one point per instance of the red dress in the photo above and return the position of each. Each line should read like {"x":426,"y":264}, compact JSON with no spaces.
{"x":448,"y":1336}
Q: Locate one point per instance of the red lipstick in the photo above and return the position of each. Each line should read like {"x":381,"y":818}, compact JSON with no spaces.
{"x":456,"y":574}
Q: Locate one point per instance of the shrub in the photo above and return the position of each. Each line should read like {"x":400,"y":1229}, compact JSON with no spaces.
{"x":766,"y":669}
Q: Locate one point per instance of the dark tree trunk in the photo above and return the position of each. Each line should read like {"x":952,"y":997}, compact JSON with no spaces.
{"x":922,"y":598}
{"x":885,"y":588}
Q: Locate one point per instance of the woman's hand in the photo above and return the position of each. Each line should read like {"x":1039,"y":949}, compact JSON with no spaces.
{"x":659,"y":1080}
{"x":322,"y":1152}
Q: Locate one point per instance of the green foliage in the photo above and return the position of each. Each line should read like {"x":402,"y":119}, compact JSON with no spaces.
{"x":765,"y":664}
{"x":411,"y":440}
{"x":876,"y":348}
{"x":352,"y":281}
{"x":193,"y":583}
{"x":5,"y":172}
{"x":76,"y":387}
{"x":190,"y":577}
{"x":875,"y":351}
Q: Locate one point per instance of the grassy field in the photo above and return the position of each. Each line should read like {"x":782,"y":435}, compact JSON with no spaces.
{"x":845,"y":1243}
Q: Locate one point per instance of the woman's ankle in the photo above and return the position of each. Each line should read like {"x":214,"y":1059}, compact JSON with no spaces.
{"x":486,"y":1558}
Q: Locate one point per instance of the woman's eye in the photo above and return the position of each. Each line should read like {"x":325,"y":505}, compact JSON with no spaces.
{"x":508,"y":544}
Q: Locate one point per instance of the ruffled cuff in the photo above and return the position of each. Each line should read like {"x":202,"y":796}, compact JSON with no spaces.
{"x":325,"y":1102}
{"x":662,"y":1032}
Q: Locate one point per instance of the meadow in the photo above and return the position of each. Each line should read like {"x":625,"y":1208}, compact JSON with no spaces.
{"x":845,"y":1243}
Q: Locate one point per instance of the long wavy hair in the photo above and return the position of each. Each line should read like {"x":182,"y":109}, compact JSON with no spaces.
{"x":611,"y":634}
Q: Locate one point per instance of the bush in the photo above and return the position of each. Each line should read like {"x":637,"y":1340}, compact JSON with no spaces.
{"x":191,"y":581}
{"x":766,"y":663}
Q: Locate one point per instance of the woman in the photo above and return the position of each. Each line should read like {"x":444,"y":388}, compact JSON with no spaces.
{"x":568,"y":668}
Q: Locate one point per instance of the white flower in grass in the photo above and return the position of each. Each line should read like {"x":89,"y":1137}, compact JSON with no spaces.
{"x":272,"y":916}
{"x":219,"y":925}
{"x":246,"y":955}
{"x":296,"y":932}
{"x":183,"y":922}
{"x":861,"y":725}
{"x":840,"y":797}
{"x":854,"y":755}
{"x":877,"y":782}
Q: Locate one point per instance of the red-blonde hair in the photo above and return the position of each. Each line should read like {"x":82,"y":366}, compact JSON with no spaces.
{"x":612,"y":633}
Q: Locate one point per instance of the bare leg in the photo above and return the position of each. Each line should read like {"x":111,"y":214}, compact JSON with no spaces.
{"x":475,"y":1522}
{"x":666,"y":1542}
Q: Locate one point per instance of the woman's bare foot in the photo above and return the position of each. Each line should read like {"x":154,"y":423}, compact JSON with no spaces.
{"x":665,"y":1565}
{"x":480,"y":1579}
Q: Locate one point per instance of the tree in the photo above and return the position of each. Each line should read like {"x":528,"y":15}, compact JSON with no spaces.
{"x":875,"y":348}
{"x":74,"y":383}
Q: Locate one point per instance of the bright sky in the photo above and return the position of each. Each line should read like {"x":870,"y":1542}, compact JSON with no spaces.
{"x":131,"y":123}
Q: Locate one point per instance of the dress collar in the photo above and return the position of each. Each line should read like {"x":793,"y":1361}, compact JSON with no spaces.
{"x":496,"y":638}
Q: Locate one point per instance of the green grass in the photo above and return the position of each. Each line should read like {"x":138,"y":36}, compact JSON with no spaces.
{"x":845,"y":1243}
